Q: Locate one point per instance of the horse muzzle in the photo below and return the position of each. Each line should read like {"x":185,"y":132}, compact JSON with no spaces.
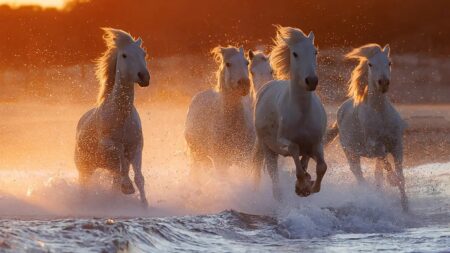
{"x":311,"y":83}
{"x":244,"y":86}
{"x":144,"y":79}
{"x":383,"y":84}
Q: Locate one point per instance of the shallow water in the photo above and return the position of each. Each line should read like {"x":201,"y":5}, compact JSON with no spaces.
{"x":52,"y":216}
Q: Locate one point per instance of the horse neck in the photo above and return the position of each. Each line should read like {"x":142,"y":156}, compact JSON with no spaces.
{"x":375,"y":98}
{"x":298,"y":95}
{"x":231,"y":103}
{"x":120,"y":101}
{"x":233,"y":111}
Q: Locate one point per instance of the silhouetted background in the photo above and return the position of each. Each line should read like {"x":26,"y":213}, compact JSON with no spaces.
{"x":49,"y":36}
{"x":33,"y":38}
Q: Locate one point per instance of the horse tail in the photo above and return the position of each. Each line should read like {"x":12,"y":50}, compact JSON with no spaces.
{"x":332,"y":133}
{"x":258,"y":159}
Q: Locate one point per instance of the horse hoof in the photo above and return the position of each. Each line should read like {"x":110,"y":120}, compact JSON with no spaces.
{"x":305,"y":189}
{"x":302,"y":192}
{"x":393,"y":180}
{"x":144,"y":204}
{"x":127,"y":189}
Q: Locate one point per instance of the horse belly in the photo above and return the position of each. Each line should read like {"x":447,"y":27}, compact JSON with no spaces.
{"x":200,"y":120}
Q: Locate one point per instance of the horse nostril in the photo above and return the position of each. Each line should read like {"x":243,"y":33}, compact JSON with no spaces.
{"x":244,"y":81}
{"x":384,"y":82}
{"x":312,"y":81}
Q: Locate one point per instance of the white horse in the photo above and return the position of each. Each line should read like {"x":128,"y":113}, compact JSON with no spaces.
{"x":110,"y":135}
{"x":217,"y":126}
{"x":260,"y":73}
{"x":260,"y":70}
{"x":367,"y":123}
{"x":290,"y":119}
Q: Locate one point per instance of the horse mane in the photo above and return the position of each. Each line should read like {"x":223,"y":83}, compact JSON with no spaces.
{"x":280,"y":54}
{"x":358,"y":83}
{"x":220,"y":54}
{"x":106,"y":64}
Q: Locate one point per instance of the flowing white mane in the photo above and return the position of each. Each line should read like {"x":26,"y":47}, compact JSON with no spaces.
{"x":358,"y":82}
{"x":220,"y":54}
{"x":280,"y":54}
{"x":106,"y":64}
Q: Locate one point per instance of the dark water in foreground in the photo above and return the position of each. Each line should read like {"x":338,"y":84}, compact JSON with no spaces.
{"x":342,"y":219}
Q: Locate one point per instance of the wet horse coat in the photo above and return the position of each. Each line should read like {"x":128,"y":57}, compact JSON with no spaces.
{"x":110,"y":135}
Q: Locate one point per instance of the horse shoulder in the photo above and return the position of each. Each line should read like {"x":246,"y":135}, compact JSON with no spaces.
{"x":268,"y":101}
{"x":319,"y":110}
{"x":345,"y":111}
{"x":202,"y":116}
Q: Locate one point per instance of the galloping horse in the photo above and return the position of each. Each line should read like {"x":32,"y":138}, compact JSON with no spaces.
{"x":260,"y":70}
{"x":217,"y":126}
{"x":110,"y":135}
{"x":367,"y":123}
{"x":290,"y":119}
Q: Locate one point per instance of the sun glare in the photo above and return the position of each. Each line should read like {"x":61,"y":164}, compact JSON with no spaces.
{"x":42,"y":3}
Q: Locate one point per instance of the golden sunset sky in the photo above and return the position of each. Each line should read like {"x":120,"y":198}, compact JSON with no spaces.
{"x":43,"y":3}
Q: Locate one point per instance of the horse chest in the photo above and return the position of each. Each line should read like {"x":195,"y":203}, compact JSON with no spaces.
{"x":302,"y":129}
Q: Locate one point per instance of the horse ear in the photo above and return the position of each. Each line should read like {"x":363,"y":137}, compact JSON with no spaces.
{"x":311,"y":36}
{"x":138,"y":41}
{"x":387,"y":49}
{"x":251,"y":54}
{"x":222,"y":50}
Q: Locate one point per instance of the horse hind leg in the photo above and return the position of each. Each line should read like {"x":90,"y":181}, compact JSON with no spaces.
{"x":271,"y":162}
{"x":355,"y":166}
{"x":258,"y":160}
{"x":380,"y":165}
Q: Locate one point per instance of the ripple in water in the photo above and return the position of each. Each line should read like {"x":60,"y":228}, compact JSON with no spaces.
{"x":343,"y":217}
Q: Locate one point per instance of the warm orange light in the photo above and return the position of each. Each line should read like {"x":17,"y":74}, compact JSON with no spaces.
{"x":42,"y":3}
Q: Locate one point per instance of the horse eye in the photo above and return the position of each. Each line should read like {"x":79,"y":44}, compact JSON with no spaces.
{"x":124,"y":55}
{"x":295,"y":54}
{"x":316,"y":52}
{"x":390,"y":63}
{"x":246,"y":62}
{"x":228,"y":64}
{"x":370,"y":64}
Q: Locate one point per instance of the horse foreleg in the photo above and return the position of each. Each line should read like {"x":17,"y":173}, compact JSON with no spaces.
{"x":84,"y":176}
{"x":321,"y":169}
{"x":303,"y":184}
{"x":398,"y":161}
{"x":126,"y":186}
{"x":139,"y":179}
{"x":354,"y":162}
